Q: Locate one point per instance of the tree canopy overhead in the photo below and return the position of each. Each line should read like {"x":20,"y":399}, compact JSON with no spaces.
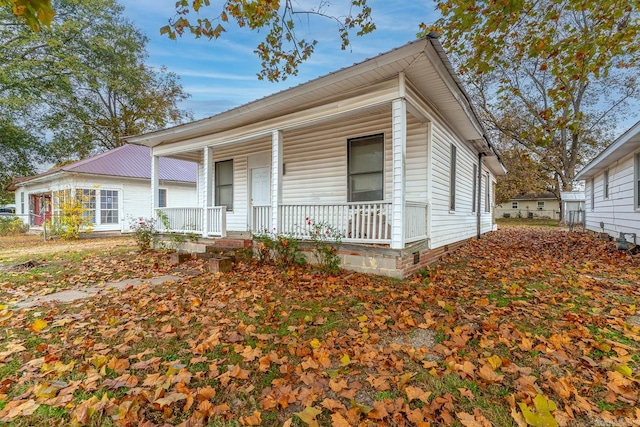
{"x":282,"y":50}
{"x":553,"y":75}
{"x":77,"y":85}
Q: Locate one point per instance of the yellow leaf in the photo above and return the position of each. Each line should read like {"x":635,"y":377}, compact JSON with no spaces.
{"x":362,"y":318}
{"x":309,"y":416}
{"x":495,"y":361}
{"x":315,"y":343}
{"x":624,"y":370}
{"x":38,"y":325}
{"x":345,"y":360}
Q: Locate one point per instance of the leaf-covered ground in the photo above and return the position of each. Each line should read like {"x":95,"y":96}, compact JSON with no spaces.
{"x":524,"y":327}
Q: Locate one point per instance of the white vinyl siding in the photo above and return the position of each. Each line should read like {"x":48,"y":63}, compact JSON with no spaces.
{"x":134,"y":196}
{"x":618,"y":212}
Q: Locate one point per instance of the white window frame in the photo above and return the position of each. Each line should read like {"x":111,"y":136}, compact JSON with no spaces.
{"x":637,"y":180}
{"x":475,"y":188}
{"x":605,"y":185}
{"x":22,"y":202}
{"x":113,"y":208}
{"x":376,"y":139}
{"x":514,"y":205}
{"x":162,"y":197}
{"x":218,"y":186}
{"x":452,"y":177}
{"x":593,"y":193}
{"x":487,"y":202}
{"x":540,"y":205}
{"x":90,"y":206}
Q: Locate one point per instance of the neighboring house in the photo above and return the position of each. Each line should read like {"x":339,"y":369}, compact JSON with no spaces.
{"x":388,"y":152}
{"x":115,"y":184}
{"x":613,"y":187}
{"x":544,"y":205}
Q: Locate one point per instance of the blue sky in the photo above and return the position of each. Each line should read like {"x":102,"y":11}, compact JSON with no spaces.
{"x":221,"y":74}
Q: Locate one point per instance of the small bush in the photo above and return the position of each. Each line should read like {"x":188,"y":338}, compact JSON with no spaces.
{"x":281,"y":250}
{"x":143,"y":232}
{"x":12,"y":225}
{"x":325,"y":240}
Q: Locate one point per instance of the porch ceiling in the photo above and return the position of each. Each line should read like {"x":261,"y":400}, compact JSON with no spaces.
{"x":421,"y":61}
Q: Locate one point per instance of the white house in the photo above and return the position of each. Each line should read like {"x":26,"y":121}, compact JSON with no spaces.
{"x":613,"y":187}
{"x":116,"y":185}
{"x":542,"y":205}
{"x":388,"y":151}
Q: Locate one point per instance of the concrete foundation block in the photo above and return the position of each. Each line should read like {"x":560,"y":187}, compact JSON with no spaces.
{"x":220,"y":264}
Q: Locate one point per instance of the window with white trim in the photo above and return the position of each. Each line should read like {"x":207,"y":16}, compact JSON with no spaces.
{"x":88,"y":198}
{"x":224,"y":184}
{"x":593,"y":193}
{"x":162,"y":197}
{"x":637,"y":180}
{"x":108,"y":206}
{"x":541,"y":205}
{"x":487,"y":202}
{"x":474,"y":196}
{"x":605,"y":184}
{"x":22,"y":202}
{"x":514,"y":205}
{"x":452,"y":178}
{"x":365,"y":158}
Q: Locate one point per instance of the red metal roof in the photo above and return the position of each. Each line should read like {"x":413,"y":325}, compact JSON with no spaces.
{"x":130,"y":161}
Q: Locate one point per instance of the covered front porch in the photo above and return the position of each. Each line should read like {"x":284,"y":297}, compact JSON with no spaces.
{"x":342,"y":165}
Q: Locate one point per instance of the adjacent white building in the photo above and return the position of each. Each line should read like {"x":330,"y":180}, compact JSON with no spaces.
{"x":612,"y":179}
{"x":115,"y":185}
{"x":388,"y":151}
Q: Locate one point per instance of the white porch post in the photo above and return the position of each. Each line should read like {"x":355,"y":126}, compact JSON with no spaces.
{"x":399,"y":149}
{"x":206,"y":181}
{"x":155,"y":183}
{"x":276,"y":178}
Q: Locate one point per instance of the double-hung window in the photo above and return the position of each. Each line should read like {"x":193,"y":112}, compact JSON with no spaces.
{"x":637,"y":180}
{"x":88,"y":200}
{"x":108,"y":206}
{"x":452,"y":179}
{"x":162,"y":197}
{"x":514,"y":205}
{"x":224,"y":184}
{"x":475,"y":188}
{"x":366,"y":168}
{"x":605,"y":185}
{"x":487,"y":202}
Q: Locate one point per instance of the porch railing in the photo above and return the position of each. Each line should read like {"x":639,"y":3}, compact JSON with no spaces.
{"x":261,"y":219}
{"x":415,"y":226}
{"x":217,"y":221}
{"x":356,"y":222}
{"x":179,"y":220}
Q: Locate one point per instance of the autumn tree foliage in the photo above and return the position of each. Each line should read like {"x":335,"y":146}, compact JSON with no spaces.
{"x":551,"y":75}
{"x":81,"y":83}
{"x":525,"y":176}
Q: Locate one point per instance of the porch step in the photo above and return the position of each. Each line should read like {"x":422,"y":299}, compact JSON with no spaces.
{"x":226,"y":243}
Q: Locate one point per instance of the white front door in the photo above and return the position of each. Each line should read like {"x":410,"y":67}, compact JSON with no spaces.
{"x":260,"y":198}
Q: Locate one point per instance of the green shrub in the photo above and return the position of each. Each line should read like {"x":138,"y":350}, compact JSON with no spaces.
{"x":12,"y":225}
{"x":143,"y":232}
{"x":325,"y":240}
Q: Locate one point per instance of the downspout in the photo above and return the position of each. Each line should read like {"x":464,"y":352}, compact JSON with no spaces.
{"x":479,"y":195}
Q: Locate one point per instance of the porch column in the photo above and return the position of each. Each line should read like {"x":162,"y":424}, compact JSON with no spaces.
{"x":206,"y":182}
{"x":155,"y":183}
{"x":276,"y":178}
{"x":399,"y":149}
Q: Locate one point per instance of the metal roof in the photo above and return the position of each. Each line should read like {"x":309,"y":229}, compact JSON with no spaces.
{"x":127,"y":161}
{"x":424,"y":63}
{"x":626,"y":144}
